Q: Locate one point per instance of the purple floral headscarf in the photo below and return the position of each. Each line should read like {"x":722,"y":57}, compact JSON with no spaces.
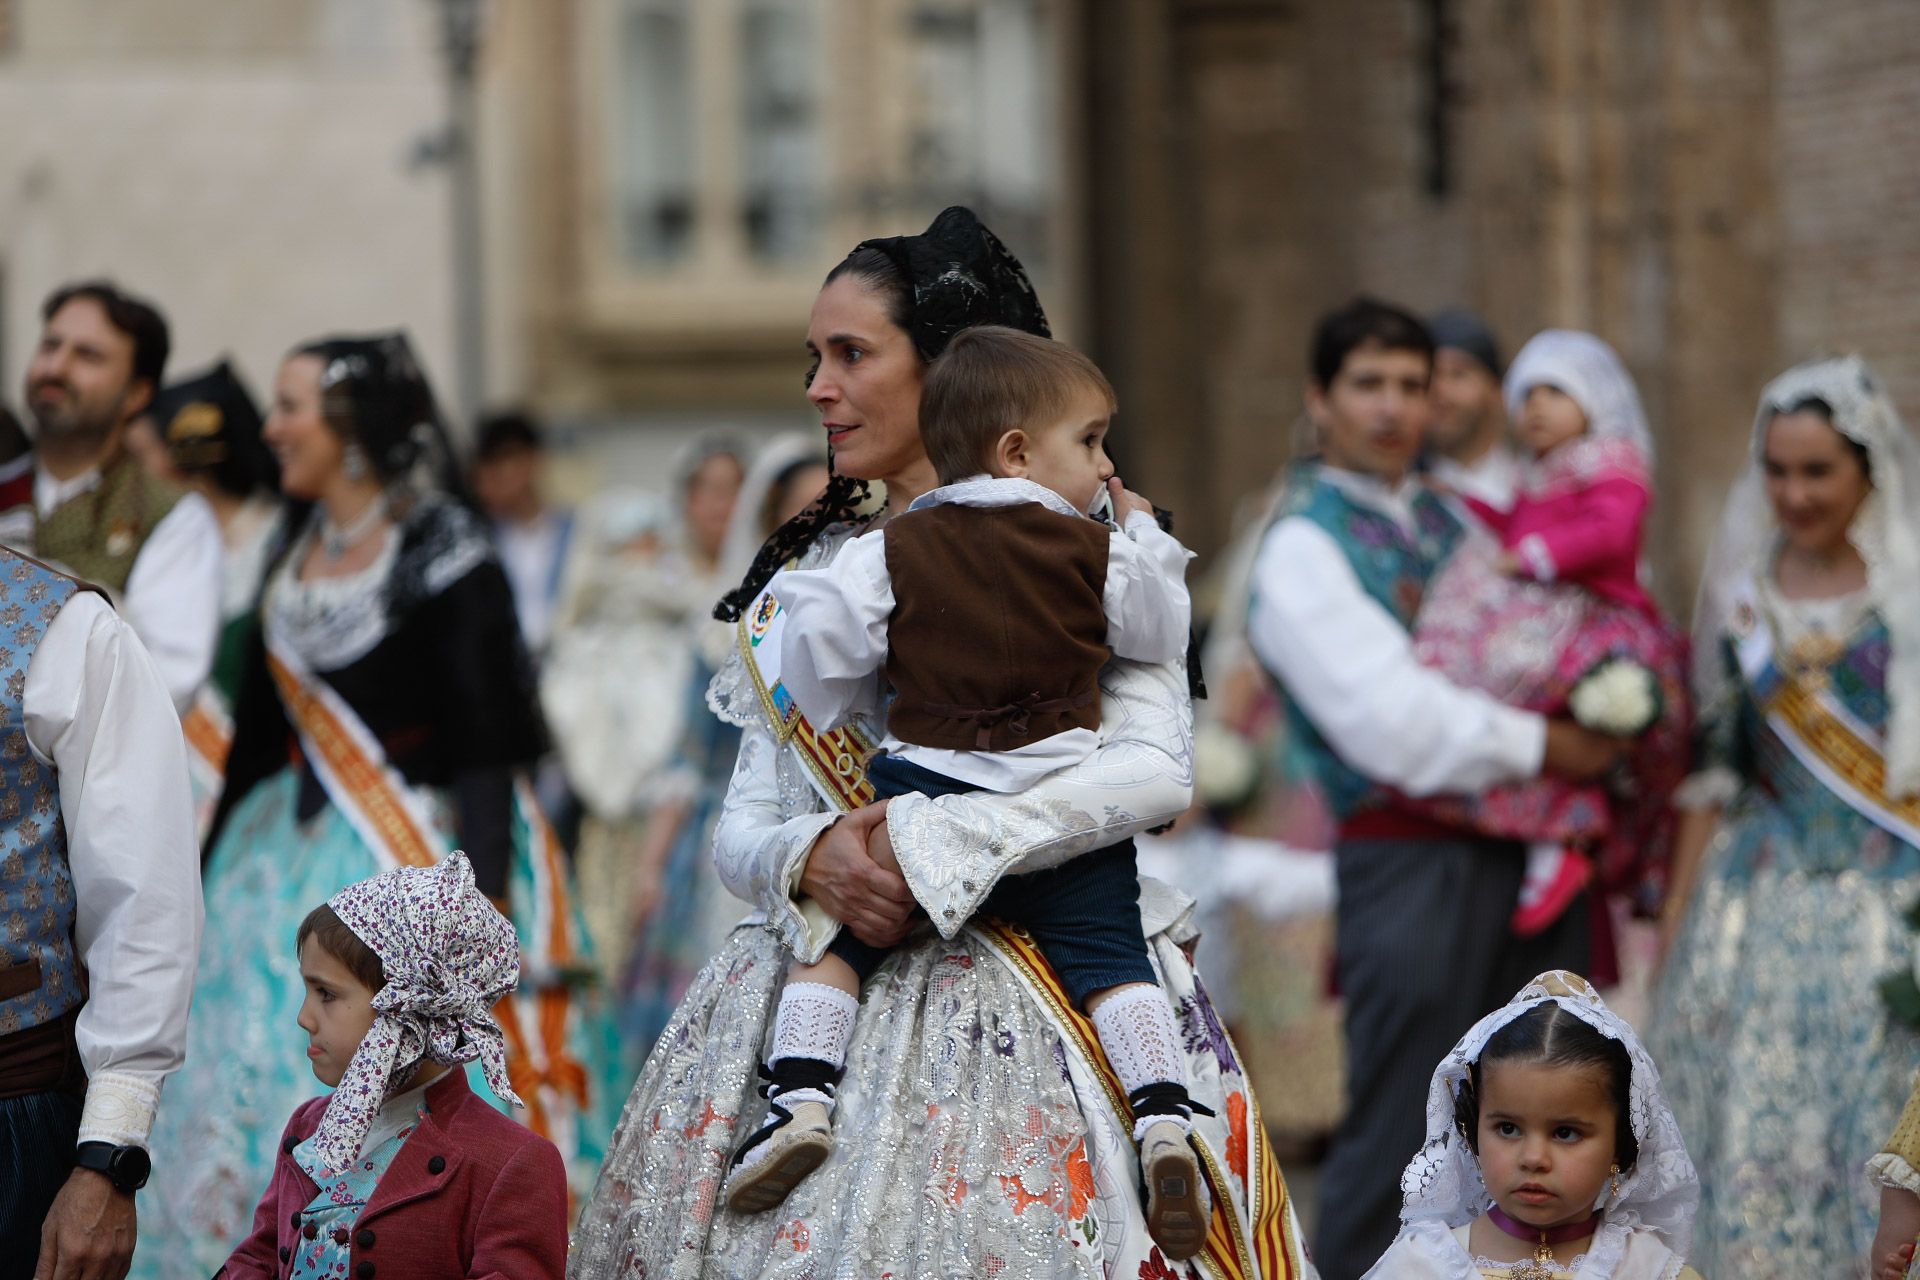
{"x":449,"y":957}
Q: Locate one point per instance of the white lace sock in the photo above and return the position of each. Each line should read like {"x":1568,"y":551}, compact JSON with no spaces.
{"x":814,"y":1021}
{"x":1142,"y":1042}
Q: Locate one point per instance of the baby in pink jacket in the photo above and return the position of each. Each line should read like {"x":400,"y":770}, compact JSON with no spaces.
{"x":1561,"y":596}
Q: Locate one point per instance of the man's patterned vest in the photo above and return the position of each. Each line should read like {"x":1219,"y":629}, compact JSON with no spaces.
{"x":40,"y":976}
{"x":1393,"y":567}
{"x":96,"y":535}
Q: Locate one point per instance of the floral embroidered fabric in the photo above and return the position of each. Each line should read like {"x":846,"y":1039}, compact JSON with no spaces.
{"x":326,"y":1224}
{"x":449,"y":957}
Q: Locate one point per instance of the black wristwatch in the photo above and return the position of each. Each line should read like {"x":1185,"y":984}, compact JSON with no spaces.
{"x":126,"y":1167}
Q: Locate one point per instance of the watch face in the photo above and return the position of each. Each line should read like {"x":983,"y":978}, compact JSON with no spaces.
{"x":130,"y":1167}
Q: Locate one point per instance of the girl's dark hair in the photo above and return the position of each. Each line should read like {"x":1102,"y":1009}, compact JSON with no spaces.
{"x":344,"y":945}
{"x":1820,"y":408}
{"x":1548,"y":1035}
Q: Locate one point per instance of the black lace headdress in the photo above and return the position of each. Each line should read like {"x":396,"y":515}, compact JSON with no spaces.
{"x":953,"y":275}
{"x":375,"y":388}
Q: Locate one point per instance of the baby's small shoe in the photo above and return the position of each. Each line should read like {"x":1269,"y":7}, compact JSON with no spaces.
{"x":1178,"y":1206}
{"x":795,"y":1141}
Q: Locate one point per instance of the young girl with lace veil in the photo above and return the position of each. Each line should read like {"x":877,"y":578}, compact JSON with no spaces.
{"x":1550,"y":1153}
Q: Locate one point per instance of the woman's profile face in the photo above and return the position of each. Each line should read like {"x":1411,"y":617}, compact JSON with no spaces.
{"x":711,"y":491}
{"x":1815,"y":480}
{"x":308,"y":450}
{"x":866,"y":382}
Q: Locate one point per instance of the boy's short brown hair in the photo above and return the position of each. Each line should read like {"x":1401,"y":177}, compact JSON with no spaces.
{"x":344,"y":945}
{"x":992,"y":380}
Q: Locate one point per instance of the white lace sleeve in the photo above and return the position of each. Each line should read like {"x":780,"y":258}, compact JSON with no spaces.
{"x":767,"y":824}
{"x":954,"y":849}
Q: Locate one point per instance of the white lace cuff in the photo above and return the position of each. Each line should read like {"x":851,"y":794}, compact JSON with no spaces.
{"x":119,"y":1108}
{"x":803,"y":925}
{"x":1710,"y":788}
{"x":1889,"y":1170}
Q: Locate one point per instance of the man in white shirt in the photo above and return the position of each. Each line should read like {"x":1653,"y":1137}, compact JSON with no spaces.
{"x":1469,"y":451}
{"x":100,"y":922}
{"x":509,"y":460}
{"x":95,"y":511}
{"x":1423,"y":945}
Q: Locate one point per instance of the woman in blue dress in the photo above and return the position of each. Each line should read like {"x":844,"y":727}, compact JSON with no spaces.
{"x":386,"y":715}
{"x":1800,"y":847}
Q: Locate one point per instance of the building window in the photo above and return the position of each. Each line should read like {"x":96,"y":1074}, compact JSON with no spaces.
{"x":984,"y":97}
{"x":656,"y":178}
{"x":780,"y":126}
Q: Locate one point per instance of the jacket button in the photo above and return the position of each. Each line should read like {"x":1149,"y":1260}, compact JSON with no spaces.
{"x":287,"y":1146}
{"x":285,"y":1253}
{"x":366,"y":1239}
{"x":339,"y":1235}
{"x":364,"y":1271}
{"x":437,"y":1165}
{"x":311,"y":1230}
{"x":294,"y":1218}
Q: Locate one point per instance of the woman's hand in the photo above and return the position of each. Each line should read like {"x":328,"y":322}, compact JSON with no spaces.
{"x":868,"y":899}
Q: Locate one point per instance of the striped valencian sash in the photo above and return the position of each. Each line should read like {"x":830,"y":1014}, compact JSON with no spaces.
{"x":1267,"y":1251}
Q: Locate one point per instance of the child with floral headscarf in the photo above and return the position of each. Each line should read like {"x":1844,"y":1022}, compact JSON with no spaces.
{"x":403,"y":1170}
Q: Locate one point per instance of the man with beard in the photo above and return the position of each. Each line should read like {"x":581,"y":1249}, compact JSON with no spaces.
{"x":1467,"y":438}
{"x":90,"y":507}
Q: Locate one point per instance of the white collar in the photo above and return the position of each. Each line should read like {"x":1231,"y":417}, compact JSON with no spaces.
{"x":49,"y":494}
{"x":984,"y":490}
{"x":1393,"y":501}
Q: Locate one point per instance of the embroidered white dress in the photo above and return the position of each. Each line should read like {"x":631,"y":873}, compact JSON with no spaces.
{"x":974,"y":1137}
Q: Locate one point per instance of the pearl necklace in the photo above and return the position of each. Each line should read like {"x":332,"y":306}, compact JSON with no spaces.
{"x":337,"y":539}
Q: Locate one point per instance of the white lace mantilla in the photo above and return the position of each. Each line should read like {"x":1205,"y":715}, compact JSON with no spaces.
{"x":1646,"y":1227}
{"x":330,"y":622}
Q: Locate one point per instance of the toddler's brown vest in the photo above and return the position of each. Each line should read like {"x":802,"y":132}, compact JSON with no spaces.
{"x":999,"y":626}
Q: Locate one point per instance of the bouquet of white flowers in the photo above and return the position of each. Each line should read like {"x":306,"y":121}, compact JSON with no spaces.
{"x":1618,"y":696}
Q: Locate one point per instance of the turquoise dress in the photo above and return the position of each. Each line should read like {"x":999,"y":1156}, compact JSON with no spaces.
{"x":1773,"y":1045}
{"x":282,"y":847}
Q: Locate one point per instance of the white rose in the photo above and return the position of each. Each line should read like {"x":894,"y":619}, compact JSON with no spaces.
{"x":1617,"y":697}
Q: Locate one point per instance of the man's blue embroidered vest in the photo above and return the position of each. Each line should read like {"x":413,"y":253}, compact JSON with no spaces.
{"x":40,"y":974}
{"x":1393,"y":567}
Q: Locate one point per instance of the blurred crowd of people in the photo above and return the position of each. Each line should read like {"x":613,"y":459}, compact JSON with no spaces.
{"x":1451,"y":741}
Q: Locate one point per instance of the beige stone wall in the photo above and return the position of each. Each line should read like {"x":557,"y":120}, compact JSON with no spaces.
{"x":245,"y":165}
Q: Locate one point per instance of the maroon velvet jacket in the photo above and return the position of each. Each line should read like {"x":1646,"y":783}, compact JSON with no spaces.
{"x":471,"y":1196}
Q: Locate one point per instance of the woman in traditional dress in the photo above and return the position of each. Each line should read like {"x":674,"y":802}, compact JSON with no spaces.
{"x":643,"y":577}
{"x":677,"y":909}
{"x":388,"y":665}
{"x":205,"y":436}
{"x":979,"y":1131}
{"x":1799,"y":850}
